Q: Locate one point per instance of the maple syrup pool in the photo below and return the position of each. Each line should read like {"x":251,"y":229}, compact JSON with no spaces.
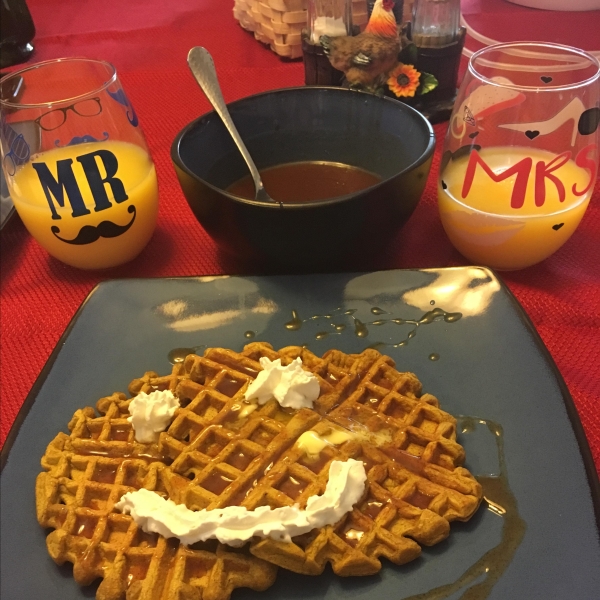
{"x":307,"y":181}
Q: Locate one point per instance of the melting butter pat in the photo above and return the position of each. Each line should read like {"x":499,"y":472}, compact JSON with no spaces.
{"x":312,"y":443}
{"x":244,"y":410}
{"x":382,"y":437}
{"x":337,"y":437}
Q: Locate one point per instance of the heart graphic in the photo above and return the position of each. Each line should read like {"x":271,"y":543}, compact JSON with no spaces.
{"x":474,"y":135}
{"x":444,"y":186}
{"x":557,"y":226}
{"x":532,"y":134}
{"x":589,"y":121}
{"x":546,"y":79}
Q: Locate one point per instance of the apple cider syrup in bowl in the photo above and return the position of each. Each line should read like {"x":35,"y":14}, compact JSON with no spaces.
{"x":386,"y":143}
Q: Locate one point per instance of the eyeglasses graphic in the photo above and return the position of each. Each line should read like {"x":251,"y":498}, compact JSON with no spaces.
{"x":56,"y":117}
{"x":18,"y":154}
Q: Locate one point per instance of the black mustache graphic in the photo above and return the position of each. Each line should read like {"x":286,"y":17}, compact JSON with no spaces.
{"x":89,"y":234}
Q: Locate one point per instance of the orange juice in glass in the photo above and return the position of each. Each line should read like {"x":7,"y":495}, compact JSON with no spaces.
{"x":76,"y":163}
{"x":521,"y":153}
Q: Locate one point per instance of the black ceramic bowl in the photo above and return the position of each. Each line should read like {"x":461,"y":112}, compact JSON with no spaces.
{"x":380,"y":135}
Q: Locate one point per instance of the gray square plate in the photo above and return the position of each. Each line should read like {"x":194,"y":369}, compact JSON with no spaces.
{"x":489,"y":364}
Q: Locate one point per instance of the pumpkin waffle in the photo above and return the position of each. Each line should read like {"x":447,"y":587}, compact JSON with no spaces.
{"x":227,"y":451}
{"x":85,"y":474}
{"x":222,"y":450}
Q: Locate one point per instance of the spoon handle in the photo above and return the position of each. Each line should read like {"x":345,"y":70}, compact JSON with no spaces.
{"x":203,"y":68}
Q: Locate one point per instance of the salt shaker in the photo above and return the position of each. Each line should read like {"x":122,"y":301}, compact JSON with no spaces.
{"x":329,"y":17}
{"x":324,"y":17}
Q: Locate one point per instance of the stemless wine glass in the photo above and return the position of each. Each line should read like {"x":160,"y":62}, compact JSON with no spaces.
{"x":521,"y":153}
{"x":76,"y":162}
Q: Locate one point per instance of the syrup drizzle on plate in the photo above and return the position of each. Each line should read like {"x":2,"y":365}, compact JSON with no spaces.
{"x":361,"y":328}
{"x":502,"y":502}
{"x":177,"y":355}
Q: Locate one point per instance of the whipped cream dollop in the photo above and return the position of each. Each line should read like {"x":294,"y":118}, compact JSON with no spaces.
{"x":151,"y":414}
{"x":235,"y":525}
{"x":291,"y":385}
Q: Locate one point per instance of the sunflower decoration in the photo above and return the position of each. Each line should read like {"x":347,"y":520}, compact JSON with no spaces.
{"x":403,"y":80}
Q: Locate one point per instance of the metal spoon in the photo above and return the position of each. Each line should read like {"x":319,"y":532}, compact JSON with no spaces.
{"x":203,"y":68}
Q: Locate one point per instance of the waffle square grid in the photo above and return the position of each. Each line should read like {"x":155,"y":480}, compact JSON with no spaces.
{"x":221,"y":450}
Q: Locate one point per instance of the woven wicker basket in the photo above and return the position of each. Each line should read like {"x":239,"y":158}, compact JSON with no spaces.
{"x":279,"y":23}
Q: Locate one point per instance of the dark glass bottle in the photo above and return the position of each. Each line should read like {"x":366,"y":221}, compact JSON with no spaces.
{"x":16,"y":32}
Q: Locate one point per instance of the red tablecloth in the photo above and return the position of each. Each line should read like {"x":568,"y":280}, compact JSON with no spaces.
{"x":148,"y":41}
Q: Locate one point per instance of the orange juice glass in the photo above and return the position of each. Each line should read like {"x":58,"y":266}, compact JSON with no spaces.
{"x":76,"y":162}
{"x":521,"y":153}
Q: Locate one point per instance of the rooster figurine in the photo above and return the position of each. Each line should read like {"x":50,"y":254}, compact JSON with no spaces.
{"x":365,"y":59}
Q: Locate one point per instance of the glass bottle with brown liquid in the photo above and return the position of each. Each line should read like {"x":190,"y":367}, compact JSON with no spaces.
{"x":16,"y":32}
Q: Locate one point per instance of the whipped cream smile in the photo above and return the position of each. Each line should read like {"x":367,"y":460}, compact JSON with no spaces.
{"x":235,"y":525}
